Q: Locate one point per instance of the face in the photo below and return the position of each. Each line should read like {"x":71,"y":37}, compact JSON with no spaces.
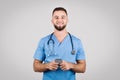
{"x":59,"y":20}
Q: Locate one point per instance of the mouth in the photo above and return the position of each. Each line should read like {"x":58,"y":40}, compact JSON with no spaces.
{"x":60,"y":24}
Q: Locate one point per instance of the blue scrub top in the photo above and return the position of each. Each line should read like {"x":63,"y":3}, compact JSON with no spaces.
{"x":59,"y":50}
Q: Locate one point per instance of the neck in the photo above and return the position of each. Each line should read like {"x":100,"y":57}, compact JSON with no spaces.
{"x":60,"y":33}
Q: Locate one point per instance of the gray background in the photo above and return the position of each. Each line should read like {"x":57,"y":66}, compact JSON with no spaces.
{"x":24,"y":22}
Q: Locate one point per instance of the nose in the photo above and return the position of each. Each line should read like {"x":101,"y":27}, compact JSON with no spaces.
{"x":60,"y":20}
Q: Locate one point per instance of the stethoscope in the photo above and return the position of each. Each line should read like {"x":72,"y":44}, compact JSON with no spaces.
{"x":52,"y":41}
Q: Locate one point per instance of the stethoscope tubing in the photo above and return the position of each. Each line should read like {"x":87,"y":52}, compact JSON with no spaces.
{"x":71,"y":40}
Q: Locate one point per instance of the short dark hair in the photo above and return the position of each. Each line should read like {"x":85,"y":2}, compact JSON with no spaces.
{"x":59,"y":9}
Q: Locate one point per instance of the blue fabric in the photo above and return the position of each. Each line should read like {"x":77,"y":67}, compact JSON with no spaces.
{"x":48,"y":53}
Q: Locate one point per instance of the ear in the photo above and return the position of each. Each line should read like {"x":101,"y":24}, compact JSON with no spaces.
{"x":51,"y":21}
{"x":67,"y":20}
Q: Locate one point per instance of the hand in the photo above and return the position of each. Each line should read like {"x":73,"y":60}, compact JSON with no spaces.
{"x":52,"y":65}
{"x":66,"y":65}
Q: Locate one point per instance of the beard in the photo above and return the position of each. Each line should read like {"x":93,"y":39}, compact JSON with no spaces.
{"x":59,"y":28}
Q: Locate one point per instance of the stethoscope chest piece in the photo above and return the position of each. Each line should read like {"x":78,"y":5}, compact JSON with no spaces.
{"x":73,"y":52}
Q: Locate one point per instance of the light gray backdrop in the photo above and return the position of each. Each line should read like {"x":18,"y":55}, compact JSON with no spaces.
{"x":24,"y":22}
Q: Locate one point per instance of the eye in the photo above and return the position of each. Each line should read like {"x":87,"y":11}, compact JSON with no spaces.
{"x":56,"y":17}
{"x":63,"y":17}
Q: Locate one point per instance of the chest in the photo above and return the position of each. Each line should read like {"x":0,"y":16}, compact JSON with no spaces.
{"x":59,"y":50}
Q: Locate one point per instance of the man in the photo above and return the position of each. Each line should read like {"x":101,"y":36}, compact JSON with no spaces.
{"x":59,"y":55}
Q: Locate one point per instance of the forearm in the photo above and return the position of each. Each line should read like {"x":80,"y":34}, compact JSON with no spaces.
{"x":79,"y":67}
{"x":39,"y":67}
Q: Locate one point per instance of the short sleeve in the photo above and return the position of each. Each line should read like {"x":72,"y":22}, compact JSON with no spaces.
{"x":39,"y":53}
{"x":80,"y":52}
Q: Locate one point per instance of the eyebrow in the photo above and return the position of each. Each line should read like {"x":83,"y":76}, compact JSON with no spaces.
{"x":60,"y":16}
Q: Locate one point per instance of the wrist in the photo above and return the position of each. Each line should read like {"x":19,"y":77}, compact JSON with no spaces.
{"x":72,"y":65}
{"x":46,"y":66}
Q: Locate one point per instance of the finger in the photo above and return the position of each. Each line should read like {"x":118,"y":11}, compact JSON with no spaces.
{"x":62,"y":63}
{"x":62,"y":67}
{"x":55,"y":63}
{"x":54,"y":68}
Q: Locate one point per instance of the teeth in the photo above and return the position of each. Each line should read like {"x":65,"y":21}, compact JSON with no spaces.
{"x":59,"y":24}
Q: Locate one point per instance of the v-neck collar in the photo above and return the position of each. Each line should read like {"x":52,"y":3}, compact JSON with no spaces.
{"x":57,"y":41}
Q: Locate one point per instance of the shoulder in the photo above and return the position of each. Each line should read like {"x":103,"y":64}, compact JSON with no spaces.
{"x":77,"y":41}
{"x":75,"y":38}
{"x":44,"y":39}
